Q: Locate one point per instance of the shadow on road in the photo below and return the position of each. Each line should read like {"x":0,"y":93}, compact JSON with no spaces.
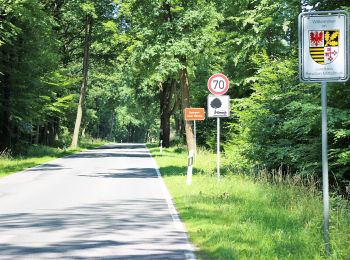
{"x":142,"y":173}
{"x":92,"y":154}
{"x":48,"y":167}
{"x":91,"y":217}
{"x":121,"y":146}
{"x":106,"y":229}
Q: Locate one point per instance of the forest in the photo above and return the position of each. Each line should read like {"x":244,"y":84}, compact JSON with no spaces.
{"x":124,"y":70}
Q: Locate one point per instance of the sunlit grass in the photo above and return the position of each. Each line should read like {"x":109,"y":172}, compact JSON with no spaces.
{"x":242,"y":217}
{"x":38,"y":154}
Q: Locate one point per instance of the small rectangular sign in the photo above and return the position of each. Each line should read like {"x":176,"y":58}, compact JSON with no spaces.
{"x":192,"y":114}
{"x":324,"y":46}
{"x":218,"y":106}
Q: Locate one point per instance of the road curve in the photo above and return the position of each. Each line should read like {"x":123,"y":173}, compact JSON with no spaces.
{"x":107,"y":203}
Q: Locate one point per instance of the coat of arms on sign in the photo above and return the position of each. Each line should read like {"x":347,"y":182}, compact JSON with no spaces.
{"x":324,"y":46}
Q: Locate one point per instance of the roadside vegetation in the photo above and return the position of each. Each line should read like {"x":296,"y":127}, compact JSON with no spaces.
{"x":148,"y":60}
{"x":252,"y":216}
{"x":31,"y":156}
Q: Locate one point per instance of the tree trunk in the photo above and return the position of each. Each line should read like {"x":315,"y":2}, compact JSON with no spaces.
{"x":56,"y":127}
{"x":5,"y":128}
{"x":167,"y":90}
{"x":37,"y":134}
{"x":185,"y":98}
{"x":6,"y":85}
{"x":166,"y":97}
{"x":178,"y":116}
{"x":165,"y":130}
{"x":46,"y":134}
{"x":88,"y":25}
{"x":112,"y":127}
{"x":83,"y":132}
{"x":51,"y":133}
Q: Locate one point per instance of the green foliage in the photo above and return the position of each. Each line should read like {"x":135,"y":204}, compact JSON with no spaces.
{"x":28,"y":58}
{"x":139,"y":46}
{"x":276,"y":120}
{"x":276,"y":125}
{"x":162,"y":38}
{"x":89,"y":9}
{"x":279,"y":124}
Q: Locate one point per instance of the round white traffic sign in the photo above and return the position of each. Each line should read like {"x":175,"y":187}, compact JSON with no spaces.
{"x":218,"y":84}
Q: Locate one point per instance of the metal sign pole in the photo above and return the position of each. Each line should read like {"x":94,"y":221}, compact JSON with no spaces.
{"x":325,"y":168}
{"x":195,"y":140}
{"x":333,"y":67}
{"x":218,"y":149}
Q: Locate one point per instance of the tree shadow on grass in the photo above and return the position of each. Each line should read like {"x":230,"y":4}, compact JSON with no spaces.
{"x":16,"y":167}
{"x":241,"y":235}
{"x":182,"y":170}
{"x":30,"y":166}
{"x":166,"y":155}
{"x":173,"y":170}
{"x":44,"y":151}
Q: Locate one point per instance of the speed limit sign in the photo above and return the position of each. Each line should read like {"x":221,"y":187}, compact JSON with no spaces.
{"x":218,"y":84}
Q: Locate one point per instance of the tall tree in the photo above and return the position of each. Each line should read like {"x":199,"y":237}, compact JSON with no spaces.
{"x":185,"y":98}
{"x":87,"y":42}
{"x":174,"y":36}
{"x":167,"y":105}
{"x":99,"y":13}
{"x":28,"y":59}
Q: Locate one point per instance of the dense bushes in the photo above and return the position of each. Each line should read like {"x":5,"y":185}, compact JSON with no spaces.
{"x":279,"y":124}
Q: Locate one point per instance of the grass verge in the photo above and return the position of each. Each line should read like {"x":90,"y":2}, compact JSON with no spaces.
{"x":39,"y":154}
{"x":248,"y":218}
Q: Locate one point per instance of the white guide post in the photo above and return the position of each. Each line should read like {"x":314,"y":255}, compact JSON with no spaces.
{"x":189,"y":168}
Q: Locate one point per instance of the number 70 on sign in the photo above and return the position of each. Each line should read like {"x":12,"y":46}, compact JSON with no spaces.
{"x":218,"y":84}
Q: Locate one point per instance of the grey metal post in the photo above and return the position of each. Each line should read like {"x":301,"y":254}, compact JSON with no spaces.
{"x":195,"y":139}
{"x":218,"y":149}
{"x":325,"y":168}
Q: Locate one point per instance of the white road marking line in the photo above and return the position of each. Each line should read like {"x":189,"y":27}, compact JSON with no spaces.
{"x":174,"y":214}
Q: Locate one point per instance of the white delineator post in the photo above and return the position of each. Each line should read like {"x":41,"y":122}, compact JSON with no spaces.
{"x":325,"y":184}
{"x":189,"y":168}
{"x":193,"y":114}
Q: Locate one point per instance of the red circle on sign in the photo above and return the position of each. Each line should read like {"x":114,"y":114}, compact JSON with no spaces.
{"x":218,"y":84}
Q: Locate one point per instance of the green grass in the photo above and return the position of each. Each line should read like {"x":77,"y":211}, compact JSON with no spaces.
{"x":39,"y":154}
{"x":250,"y":218}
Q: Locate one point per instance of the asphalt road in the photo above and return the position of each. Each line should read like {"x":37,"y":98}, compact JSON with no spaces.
{"x":107,"y":203}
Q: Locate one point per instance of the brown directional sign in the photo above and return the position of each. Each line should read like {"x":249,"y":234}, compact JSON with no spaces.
{"x":192,"y":114}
